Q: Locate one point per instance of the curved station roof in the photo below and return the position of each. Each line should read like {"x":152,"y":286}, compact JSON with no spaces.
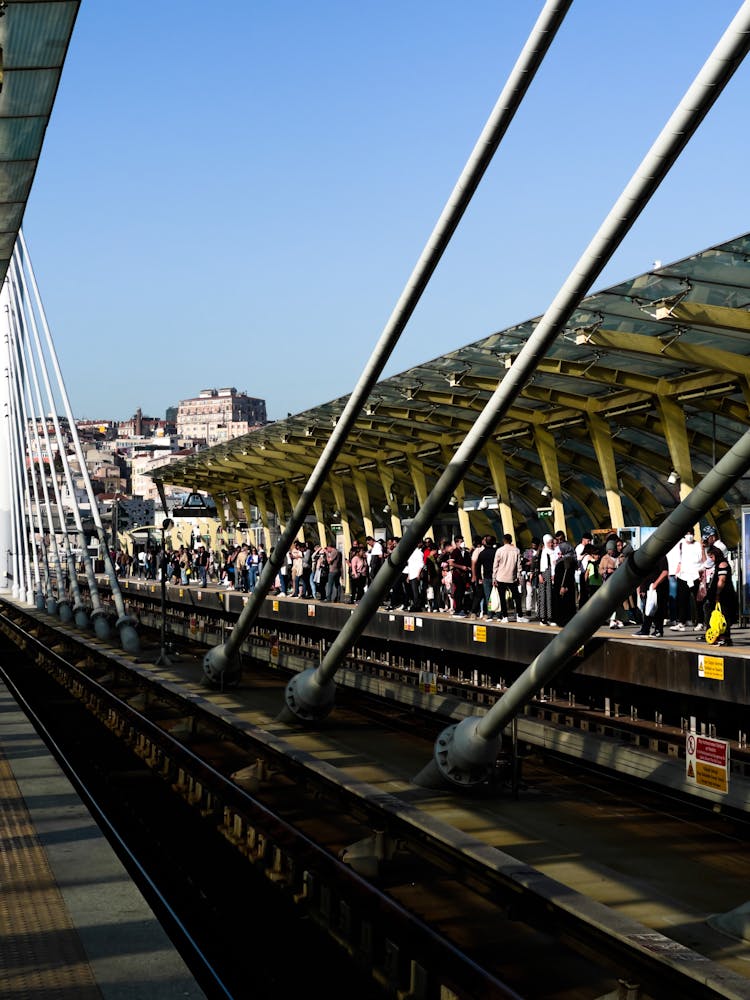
{"x":643,"y":392}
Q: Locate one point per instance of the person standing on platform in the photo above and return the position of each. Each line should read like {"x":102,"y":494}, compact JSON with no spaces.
{"x":656,"y":582}
{"x":564,"y":587}
{"x":374,"y":556}
{"x":460,"y":567}
{"x":446,"y":578}
{"x":530,"y":576}
{"x":319,"y":573}
{"x":721,"y":591}
{"x":586,"y":539}
{"x":485,"y":563}
{"x":201,"y":562}
{"x":591,"y":577}
{"x":607,"y":565}
{"x":334,"y":561}
{"x":506,"y":573}
{"x":253,"y":568}
{"x":432,"y":578}
{"x":476,"y":588}
{"x":358,"y":571}
{"x":548,"y":557}
{"x":710,"y":537}
{"x":689,"y":609}
{"x":413,"y":573}
{"x":240,"y":569}
{"x":673,"y":558}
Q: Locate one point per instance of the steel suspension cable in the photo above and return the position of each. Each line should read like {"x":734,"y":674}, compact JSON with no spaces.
{"x":310,"y":693}
{"x":532,"y":54}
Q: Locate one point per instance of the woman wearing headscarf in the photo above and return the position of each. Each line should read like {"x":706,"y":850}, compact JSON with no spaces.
{"x":548,"y":557}
{"x":564,"y":581}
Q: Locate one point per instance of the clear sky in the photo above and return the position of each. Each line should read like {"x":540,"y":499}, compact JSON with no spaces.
{"x":236,"y":193}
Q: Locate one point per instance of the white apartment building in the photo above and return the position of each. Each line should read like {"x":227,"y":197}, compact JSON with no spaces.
{"x":217,"y":415}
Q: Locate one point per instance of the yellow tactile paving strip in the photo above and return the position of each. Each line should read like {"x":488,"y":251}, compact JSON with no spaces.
{"x":41,"y":955}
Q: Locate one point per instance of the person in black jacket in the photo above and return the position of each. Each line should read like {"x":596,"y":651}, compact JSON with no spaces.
{"x":564,"y":582}
{"x":721,"y":591}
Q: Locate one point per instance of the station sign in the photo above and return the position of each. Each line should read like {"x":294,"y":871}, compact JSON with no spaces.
{"x":707,"y":762}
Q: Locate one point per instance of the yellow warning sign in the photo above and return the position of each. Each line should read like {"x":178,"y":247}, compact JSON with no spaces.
{"x":275,"y":605}
{"x":711,"y":667}
{"x":409,"y":623}
{"x":480,"y":633}
{"x":711,"y":777}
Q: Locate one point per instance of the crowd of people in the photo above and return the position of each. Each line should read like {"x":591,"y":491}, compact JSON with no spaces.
{"x":490,"y":579}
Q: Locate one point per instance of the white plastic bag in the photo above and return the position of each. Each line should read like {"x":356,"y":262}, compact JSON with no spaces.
{"x":651,"y":602}
{"x":493,"y":604}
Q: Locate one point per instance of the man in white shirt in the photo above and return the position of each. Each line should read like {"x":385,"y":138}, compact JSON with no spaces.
{"x":711,"y":537}
{"x":374,"y":555}
{"x":688,"y":573}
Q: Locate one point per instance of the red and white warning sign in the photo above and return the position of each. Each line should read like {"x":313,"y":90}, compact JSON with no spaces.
{"x":707,"y":762}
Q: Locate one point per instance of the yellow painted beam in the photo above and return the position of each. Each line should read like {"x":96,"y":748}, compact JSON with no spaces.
{"x":260,"y":503}
{"x":363,"y":495}
{"x":601,"y":438}
{"x":496,"y":464}
{"x":703,"y":314}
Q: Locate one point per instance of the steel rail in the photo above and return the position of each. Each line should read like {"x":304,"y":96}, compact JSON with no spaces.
{"x":437,"y":951}
{"x":660,"y":964}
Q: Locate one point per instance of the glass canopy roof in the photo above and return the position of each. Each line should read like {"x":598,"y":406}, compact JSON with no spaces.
{"x":661,"y":361}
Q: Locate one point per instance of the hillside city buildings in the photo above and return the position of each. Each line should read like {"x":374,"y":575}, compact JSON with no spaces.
{"x":121,"y":456}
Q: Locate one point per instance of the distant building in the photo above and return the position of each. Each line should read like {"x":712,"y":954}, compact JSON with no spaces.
{"x":141,"y":426}
{"x":142,"y":469}
{"x":217,"y":415}
{"x":96,"y":431}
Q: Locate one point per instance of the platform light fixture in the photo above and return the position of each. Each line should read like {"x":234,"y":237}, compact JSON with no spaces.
{"x":484,"y":503}
{"x":673,"y":478}
{"x":546,"y":490}
{"x":453,"y":501}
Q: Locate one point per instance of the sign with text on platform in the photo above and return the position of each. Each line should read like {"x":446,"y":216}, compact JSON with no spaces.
{"x":707,"y":762}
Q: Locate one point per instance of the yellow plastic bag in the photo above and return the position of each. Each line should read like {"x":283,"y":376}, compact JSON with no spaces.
{"x":717,"y":625}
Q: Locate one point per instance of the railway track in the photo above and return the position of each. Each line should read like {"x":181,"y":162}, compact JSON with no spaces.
{"x":416,"y":906}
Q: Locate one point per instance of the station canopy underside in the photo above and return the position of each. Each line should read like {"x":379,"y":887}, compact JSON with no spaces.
{"x":649,"y":381}
{"x":34,"y":40}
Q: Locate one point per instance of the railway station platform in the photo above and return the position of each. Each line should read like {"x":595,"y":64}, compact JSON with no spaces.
{"x":72,"y":921}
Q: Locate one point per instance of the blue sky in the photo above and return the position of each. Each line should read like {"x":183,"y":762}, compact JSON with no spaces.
{"x":236,"y":194}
